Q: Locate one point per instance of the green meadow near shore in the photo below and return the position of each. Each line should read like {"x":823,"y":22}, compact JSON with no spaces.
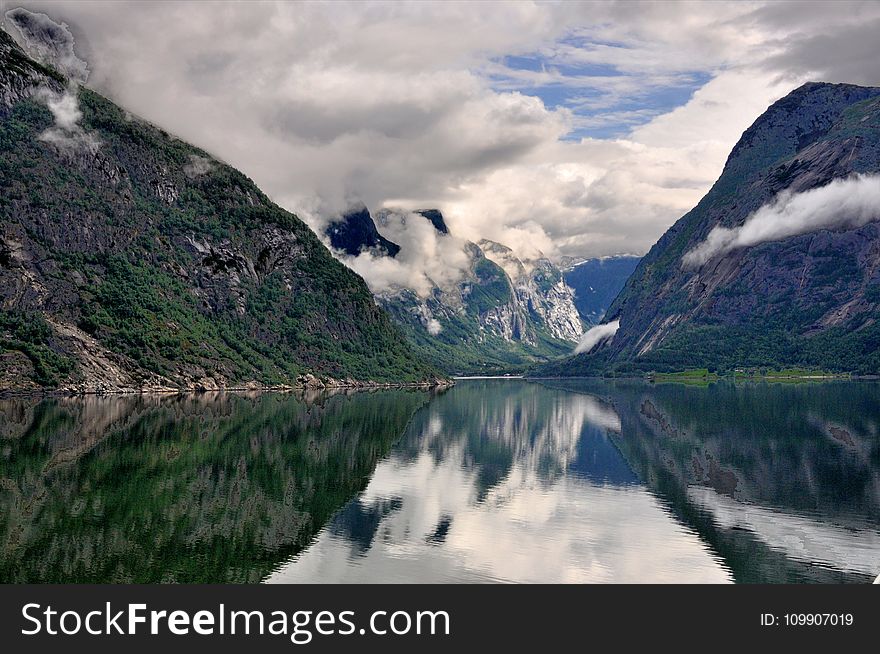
{"x":705,"y":376}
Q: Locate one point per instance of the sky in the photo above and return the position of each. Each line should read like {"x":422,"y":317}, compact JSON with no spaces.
{"x":573,"y":129}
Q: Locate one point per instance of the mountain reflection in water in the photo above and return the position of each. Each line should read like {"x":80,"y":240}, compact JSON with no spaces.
{"x":217,"y":487}
{"x":493,"y":480}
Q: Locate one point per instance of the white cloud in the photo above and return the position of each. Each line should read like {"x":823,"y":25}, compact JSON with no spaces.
{"x":599,"y":197}
{"x":416,"y":105}
{"x":64,"y":108}
{"x":198,"y":166}
{"x":427,"y":259}
{"x":66,"y":133}
{"x":52,"y":43}
{"x":598,"y":334}
{"x":850,"y":202}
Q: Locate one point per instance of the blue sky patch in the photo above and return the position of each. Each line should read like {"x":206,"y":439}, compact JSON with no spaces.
{"x":606,"y":102}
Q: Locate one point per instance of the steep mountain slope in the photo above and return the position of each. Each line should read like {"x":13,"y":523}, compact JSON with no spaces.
{"x":778,"y":265}
{"x":596,"y":282}
{"x":129,"y":259}
{"x":501,"y":316}
{"x":540,"y":289}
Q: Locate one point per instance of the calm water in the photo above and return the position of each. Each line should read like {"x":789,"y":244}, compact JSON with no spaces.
{"x":493,"y":480}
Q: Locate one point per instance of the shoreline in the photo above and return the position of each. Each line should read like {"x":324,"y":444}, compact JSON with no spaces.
{"x":351,"y":385}
{"x":467,"y":377}
{"x":673,"y":378}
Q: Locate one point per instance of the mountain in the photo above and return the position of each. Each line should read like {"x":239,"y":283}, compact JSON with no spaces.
{"x":355,"y":232}
{"x":778,"y":265}
{"x":596,"y":282}
{"x":503,"y":315}
{"x":541,"y":291}
{"x":129,"y":260}
{"x":436,"y":219}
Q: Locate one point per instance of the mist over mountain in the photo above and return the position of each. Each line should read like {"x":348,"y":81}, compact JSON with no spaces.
{"x":779,"y":264}
{"x":355,"y":232}
{"x":466,"y":307}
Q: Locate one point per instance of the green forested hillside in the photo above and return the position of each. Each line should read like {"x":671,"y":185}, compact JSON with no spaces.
{"x":131,"y":259}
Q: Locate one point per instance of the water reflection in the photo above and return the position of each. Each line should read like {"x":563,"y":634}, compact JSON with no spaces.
{"x":200,"y":488}
{"x":576,"y":481}
{"x":782,"y":481}
{"x":507,"y":481}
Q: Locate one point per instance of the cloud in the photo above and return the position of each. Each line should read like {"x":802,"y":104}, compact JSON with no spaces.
{"x":599,"y":197}
{"x":64,"y":108}
{"x":66,"y":133}
{"x":850,"y":202}
{"x":197,"y":166}
{"x":490,"y":112}
{"x":53,"y":44}
{"x":431,"y":324}
{"x":598,"y":334}
{"x":48,"y":42}
{"x":427,"y":259}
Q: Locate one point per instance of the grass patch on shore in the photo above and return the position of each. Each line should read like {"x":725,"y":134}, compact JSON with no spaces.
{"x":698,"y":376}
{"x":703,"y":376}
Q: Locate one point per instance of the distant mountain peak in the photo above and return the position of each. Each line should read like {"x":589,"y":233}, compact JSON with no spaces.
{"x":436,"y":219}
{"x":596,"y":282}
{"x":355,"y":232}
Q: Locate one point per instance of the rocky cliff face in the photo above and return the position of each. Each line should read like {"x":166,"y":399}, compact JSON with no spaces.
{"x":20,"y":76}
{"x":503,"y":316}
{"x":779,"y":264}
{"x":129,"y":259}
{"x":540,"y":291}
